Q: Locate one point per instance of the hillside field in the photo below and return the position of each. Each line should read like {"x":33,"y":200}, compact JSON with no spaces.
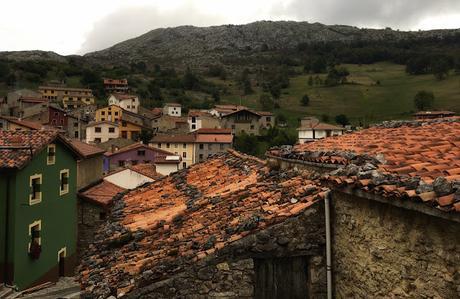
{"x":363,"y":101}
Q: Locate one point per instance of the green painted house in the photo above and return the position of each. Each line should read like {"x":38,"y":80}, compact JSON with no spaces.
{"x":38,"y":210}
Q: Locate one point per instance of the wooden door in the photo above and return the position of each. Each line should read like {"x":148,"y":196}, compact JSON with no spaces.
{"x":280,"y":278}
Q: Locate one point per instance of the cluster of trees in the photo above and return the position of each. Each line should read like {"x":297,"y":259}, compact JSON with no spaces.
{"x":438,"y":65}
{"x":258,"y":145}
{"x":424,"y":100}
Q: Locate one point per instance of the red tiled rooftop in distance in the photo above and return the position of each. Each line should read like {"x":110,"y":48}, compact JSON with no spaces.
{"x":84,"y":149}
{"x":146,"y":169}
{"x":214,"y":138}
{"x":174,"y":213}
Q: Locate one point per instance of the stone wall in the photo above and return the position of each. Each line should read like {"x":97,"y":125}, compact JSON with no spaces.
{"x":382,"y":251}
{"x":90,"y":218}
{"x":229,"y":273}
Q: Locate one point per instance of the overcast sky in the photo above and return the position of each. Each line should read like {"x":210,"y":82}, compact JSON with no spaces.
{"x":81,"y":26}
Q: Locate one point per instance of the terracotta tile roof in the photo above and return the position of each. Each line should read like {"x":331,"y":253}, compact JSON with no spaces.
{"x":32,"y":99}
{"x":157,"y":111}
{"x":173,"y":105}
{"x":321,"y":126}
{"x":241,"y":110}
{"x":264,"y":113}
{"x":198,"y":113}
{"x":410,"y":158}
{"x":183,"y":138}
{"x":115,"y":81}
{"x":85,"y":150}
{"x":213,"y":131}
{"x":18,"y":147}
{"x":95,"y":123}
{"x":137,"y":146}
{"x":192,"y":214}
{"x":63,"y":88}
{"x":23,"y":123}
{"x":121,"y":97}
{"x":101,"y":193}
{"x":117,"y":143}
{"x":149,"y":170}
{"x":214,"y":138}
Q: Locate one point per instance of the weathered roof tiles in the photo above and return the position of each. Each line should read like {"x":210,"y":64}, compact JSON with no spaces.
{"x":190,"y":215}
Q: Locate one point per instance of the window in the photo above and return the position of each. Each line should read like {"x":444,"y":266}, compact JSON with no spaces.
{"x":111,"y":130}
{"x":233,"y":127}
{"x":75,"y":124}
{"x":124,"y":134}
{"x":97,"y":129}
{"x":201,"y":146}
{"x":124,"y":124}
{"x":35,"y":189}
{"x":193,"y":119}
{"x":269,"y":119}
{"x":64,"y":187}
{"x":76,"y":134}
{"x":51,"y":154}
{"x":102,"y":118}
{"x":193,"y":127}
{"x":134,"y":162}
{"x":167,"y":145}
{"x":116,"y":113}
{"x":97,"y":140}
{"x":201,"y":157}
{"x":184,"y":145}
{"x":56,"y":114}
{"x":35,"y":239}
{"x":102,"y":112}
{"x":252,"y":127}
{"x":141,"y":152}
{"x":121,"y":163}
{"x":159,"y":145}
{"x":146,"y":161}
{"x":184,"y":154}
{"x":184,"y":164}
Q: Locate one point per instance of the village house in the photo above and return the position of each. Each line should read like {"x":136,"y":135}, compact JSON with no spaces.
{"x":103,"y":131}
{"x":94,"y":202}
{"x":311,"y":128}
{"x":182,"y":145}
{"x":165,"y":165}
{"x":10,"y":123}
{"x":76,"y":127}
{"x":267,"y":119}
{"x":426,"y":115}
{"x":38,"y":222}
{"x":11,"y":103}
{"x":50,"y":115}
{"x":201,"y":119}
{"x":172,"y":109}
{"x":242,"y":121}
{"x":89,"y":162}
{"x":134,"y":154}
{"x":69,"y":98}
{"x":221,"y":110}
{"x":26,"y":103}
{"x":172,"y":124}
{"x":127,"y":102}
{"x":395,"y":197}
{"x":265,"y":226}
{"x":209,"y":142}
{"x":116,"y":85}
{"x":115,"y":144}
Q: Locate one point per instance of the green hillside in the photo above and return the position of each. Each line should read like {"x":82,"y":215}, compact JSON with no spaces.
{"x":363,"y":100}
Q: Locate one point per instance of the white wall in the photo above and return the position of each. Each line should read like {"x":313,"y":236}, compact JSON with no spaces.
{"x":166,"y":169}
{"x":91,"y":135}
{"x":173,"y":111}
{"x":198,"y":124}
{"x":128,"y":179}
{"x":128,"y":104}
{"x":305,"y":134}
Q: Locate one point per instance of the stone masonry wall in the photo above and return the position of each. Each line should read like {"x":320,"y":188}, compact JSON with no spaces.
{"x":229,"y":273}
{"x":382,"y":251}
{"x":89,"y":222}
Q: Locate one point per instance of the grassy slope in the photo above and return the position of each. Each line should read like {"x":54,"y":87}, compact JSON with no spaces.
{"x":392,"y":99}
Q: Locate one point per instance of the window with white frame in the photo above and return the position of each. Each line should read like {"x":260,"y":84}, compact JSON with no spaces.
{"x":51,"y":154}
{"x":35,"y":195}
{"x":35,"y":235}
{"x":64,"y":185}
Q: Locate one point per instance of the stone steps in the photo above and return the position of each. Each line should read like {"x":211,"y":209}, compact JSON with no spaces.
{"x":5,"y":292}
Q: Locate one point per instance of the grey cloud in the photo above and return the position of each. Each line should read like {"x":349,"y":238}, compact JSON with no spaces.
{"x":401,"y":14}
{"x":131,"y":22}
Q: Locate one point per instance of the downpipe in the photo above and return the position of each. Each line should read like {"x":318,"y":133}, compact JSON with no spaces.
{"x":327,"y":216}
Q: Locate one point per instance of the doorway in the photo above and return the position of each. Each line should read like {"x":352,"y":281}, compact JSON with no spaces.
{"x":61,"y":260}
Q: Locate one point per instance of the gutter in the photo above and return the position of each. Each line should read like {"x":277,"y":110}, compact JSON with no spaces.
{"x":328,"y":243}
{"x":7,"y":220}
